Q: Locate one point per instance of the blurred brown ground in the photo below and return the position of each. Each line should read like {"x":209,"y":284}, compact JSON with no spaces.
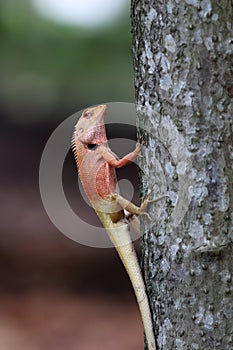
{"x":54,"y":293}
{"x":56,"y":321}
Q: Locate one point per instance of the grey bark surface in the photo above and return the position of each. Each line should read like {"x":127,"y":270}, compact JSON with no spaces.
{"x":183,"y":61}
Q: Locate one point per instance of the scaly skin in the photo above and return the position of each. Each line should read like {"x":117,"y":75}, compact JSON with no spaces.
{"x":96,"y":164}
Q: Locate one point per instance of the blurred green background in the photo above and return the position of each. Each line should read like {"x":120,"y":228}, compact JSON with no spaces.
{"x":55,"y":293}
{"x":50,"y":70}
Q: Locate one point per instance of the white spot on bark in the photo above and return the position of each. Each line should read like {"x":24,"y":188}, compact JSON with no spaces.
{"x":167,"y":324}
{"x":225,"y":276}
{"x":178,"y":86}
{"x":208,"y":320}
{"x":188,"y":99}
{"x":174,"y":250}
{"x":200,"y":314}
{"x":166,"y":82}
{"x":208,"y":101}
{"x":196,"y":230}
{"x":198,"y":35}
{"x":180,"y":344}
{"x":199,"y":192}
{"x":197,"y":268}
{"x":149,"y":56}
{"x":181,"y":168}
{"x":209,"y":44}
{"x":229,"y":25}
{"x":207,"y":218}
{"x":162,"y":61}
{"x":206,"y":7}
{"x":228,"y":312}
{"x":205,"y":150}
{"x":165,"y":265}
{"x":152,"y":14}
{"x":223,"y":201}
{"x":169,"y":169}
{"x":173,"y":197}
{"x":228,"y":47}
{"x":192,"y":2}
{"x":161,"y":238}
{"x":213,"y":267}
{"x":170,"y":43}
{"x":178,"y":303}
{"x":220,"y":107}
{"x":162,"y":337}
{"x":170,"y":7}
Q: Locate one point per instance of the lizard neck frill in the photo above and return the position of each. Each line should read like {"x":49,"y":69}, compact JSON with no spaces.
{"x":93,"y":135}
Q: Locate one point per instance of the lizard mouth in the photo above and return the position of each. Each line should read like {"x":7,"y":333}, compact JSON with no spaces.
{"x":102,"y":109}
{"x":101,"y":113}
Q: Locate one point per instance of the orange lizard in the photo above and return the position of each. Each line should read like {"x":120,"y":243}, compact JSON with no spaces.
{"x":96,"y":164}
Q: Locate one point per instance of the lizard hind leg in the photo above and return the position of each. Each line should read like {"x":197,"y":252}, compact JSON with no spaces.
{"x":132,"y":208}
{"x":134,"y":223}
{"x":129,"y":206}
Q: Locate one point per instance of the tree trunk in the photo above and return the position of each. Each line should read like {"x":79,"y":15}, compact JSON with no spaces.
{"x":183,"y":58}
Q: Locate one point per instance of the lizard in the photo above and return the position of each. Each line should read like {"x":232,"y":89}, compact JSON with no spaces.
{"x":96,"y":165}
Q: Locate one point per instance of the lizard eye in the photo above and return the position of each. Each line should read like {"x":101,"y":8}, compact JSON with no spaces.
{"x":92,"y":146}
{"x":87,"y":114}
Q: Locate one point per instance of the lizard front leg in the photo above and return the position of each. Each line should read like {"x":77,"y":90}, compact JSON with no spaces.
{"x":118,"y":163}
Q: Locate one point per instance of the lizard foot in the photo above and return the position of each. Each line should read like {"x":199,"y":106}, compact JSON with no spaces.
{"x":147,"y":199}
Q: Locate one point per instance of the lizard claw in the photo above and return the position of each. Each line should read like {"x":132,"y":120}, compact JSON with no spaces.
{"x":146,"y":201}
{"x":153,"y":200}
{"x":156,"y":199}
{"x":142,"y":140}
{"x":147,"y":215}
{"x":138,"y":150}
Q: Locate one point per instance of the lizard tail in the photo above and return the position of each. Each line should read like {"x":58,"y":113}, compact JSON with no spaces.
{"x":121,"y":239}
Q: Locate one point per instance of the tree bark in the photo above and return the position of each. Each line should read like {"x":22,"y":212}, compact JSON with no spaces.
{"x":183,"y":60}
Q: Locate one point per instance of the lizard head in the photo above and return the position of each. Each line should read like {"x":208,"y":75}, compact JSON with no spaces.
{"x":90,"y":128}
